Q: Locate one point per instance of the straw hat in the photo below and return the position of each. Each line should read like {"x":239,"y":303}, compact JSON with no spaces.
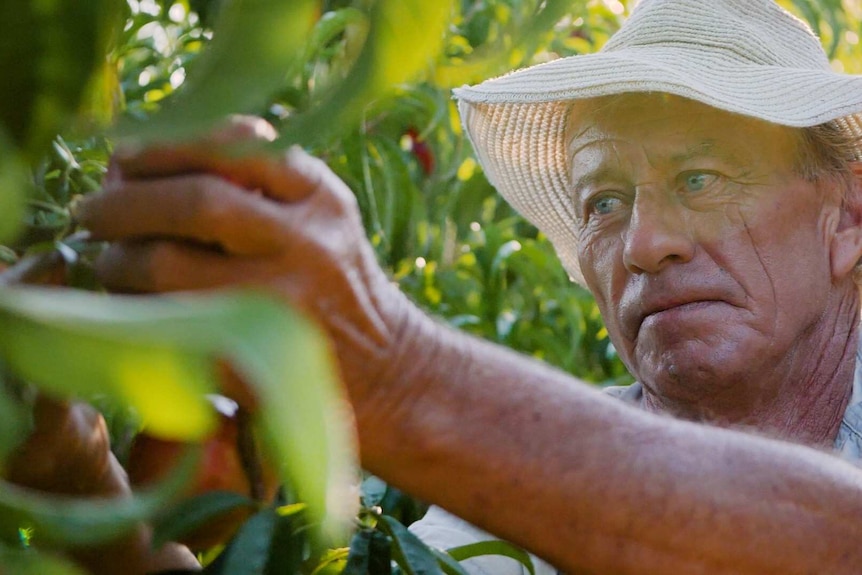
{"x":745,"y":56}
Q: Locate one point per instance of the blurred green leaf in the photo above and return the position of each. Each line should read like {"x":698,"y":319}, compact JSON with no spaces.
{"x":113,"y":347}
{"x":255,"y":42}
{"x":404,"y":39}
{"x":47,"y":63}
{"x":495,"y":58}
{"x":33,"y":562}
{"x":157,"y":354}
{"x":14,"y":421}
{"x":332,"y":562}
{"x":14,"y":188}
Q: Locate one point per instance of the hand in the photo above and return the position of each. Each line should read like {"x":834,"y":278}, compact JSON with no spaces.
{"x":197,"y":216}
{"x":69,"y":453}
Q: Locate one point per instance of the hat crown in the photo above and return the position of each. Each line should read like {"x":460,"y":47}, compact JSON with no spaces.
{"x":748,"y":31}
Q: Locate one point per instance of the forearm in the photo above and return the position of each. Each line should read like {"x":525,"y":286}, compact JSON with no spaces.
{"x":594,"y":485}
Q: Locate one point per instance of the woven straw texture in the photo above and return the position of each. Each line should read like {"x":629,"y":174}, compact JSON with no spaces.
{"x":749,"y":57}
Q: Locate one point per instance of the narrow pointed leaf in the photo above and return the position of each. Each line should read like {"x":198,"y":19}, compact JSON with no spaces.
{"x":495,"y":547}
{"x":360,"y":548}
{"x":409,"y":551}
{"x":287,"y":546}
{"x":449,"y":565}
{"x":250,"y":549}
{"x":380,"y":554}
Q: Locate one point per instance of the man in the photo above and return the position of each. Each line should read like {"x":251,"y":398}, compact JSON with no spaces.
{"x":682,"y":177}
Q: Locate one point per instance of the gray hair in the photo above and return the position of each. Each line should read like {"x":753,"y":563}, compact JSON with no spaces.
{"x":825,"y":154}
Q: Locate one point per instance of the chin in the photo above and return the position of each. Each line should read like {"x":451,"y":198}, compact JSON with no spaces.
{"x":694,"y":379}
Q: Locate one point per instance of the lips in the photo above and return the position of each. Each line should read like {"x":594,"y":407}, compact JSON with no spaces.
{"x":684,"y":306}
{"x":670,"y":304}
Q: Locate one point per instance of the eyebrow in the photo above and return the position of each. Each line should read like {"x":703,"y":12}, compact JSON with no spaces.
{"x":705,"y":148}
{"x":709,"y":148}
{"x":601,"y":174}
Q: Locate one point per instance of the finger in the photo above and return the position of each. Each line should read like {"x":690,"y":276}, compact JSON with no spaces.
{"x":169,"y":266}
{"x":234,"y":154}
{"x":238,"y":133}
{"x":287,"y":177}
{"x":201,"y":208}
{"x":235,"y":151}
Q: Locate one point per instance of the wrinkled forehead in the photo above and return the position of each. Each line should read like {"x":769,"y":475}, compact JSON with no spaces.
{"x":678,"y":127}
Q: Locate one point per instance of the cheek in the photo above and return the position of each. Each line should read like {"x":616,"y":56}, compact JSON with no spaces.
{"x":598,"y":255}
{"x":780,"y":254}
{"x":601,"y":261}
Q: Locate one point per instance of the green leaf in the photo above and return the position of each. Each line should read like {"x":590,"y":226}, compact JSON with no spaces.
{"x":380,"y":554}
{"x":156,"y":354}
{"x":448,"y":564}
{"x":164,"y":380}
{"x":49,"y":50}
{"x":287,"y":546}
{"x":334,"y":23}
{"x":14,"y":421}
{"x":332,"y":562}
{"x":72,"y":522}
{"x":192,"y":513}
{"x":404,"y":40}
{"x":360,"y":548}
{"x":254,"y":44}
{"x":494,"y":547}
{"x":248,"y":553}
{"x":14,"y":187}
{"x":409,"y":551}
{"x":34,"y":562}
{"x":494,"y":58}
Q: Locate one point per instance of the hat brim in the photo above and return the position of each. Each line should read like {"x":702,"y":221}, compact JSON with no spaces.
{"x":517,"y":123}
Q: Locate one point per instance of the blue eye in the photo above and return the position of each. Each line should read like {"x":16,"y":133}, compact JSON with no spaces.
{"x":605,"y":205}
{"x":697,"y":181}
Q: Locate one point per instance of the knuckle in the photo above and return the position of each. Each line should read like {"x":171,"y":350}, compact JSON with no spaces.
{"x":159,"y":263}
{"x":243,"y":127}
{"x":209,"y":196}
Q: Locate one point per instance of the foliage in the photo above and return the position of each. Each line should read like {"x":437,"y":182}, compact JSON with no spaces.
{"x":341,"y":84}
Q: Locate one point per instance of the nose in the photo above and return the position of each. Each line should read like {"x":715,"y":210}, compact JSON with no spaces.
{"x":658,"y":234}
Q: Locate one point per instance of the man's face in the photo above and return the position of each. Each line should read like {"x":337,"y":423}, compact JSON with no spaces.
{"x":708,"y":255}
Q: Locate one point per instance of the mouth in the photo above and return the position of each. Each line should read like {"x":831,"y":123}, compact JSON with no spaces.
{"x":680,"y":310}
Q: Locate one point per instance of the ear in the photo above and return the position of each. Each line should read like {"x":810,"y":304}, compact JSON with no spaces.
{"x":846,"y":248}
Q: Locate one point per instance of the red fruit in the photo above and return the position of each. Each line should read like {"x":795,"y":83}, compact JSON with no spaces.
{"x":221,"y":468}
{"x":421,"y":151}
